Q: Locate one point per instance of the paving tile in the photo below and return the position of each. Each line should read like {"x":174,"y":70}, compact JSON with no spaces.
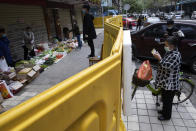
{"x":181,"y":109}
{"x":152,"y":113}
{"x":133,"y":105}
{"x":13,"y":98}
{"x":189,"y":123}
{"x":133,"y":118}
{"x":29,"y":94}
{"x":169,"y":128}
{"x":144,"y":119}
{"x":140,"y":96}
{"x":191,"y":109}
{"x":157,"y":127}
{"x":148,"y":96}
{"x":178,"y":122}
{"x":191,"y":129}
{"x":150,"y":101}
{"x":140,"y":101}
{"x":134,"y":111}
{"x":180,"y":128}
{"x":174,"y":109}
{"x":5,"y":103}
{"x":133,"y":100}
{"x":168,"y":122}
{"x":151,"y":106}
{"x":176,"y":115}
{"x":142,"y":112}
{"x":193,"y":116}
{"x":14,"y":103}
{"x":141,"y":106}
{"x":186,"y":116}
{"x":133,"y":126}
{"x":145,"y":127}
{"x":20,"y":97}
{"x":154,"y":120}
{"x":147,"y":93}
{"x":140,"y":92}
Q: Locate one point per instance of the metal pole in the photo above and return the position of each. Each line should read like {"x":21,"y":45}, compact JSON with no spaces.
{"x":126,"y":19}
{"x":102,"y":17}
{"x":181,"y":7}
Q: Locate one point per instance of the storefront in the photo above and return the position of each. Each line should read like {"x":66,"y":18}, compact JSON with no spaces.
{"x":78,"y":16}
{"x":15,"y":18}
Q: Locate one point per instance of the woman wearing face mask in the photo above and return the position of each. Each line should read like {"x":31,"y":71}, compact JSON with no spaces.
{"x":28,"y":40}
{"x":4,"y":47}
{"x":168,"y":75}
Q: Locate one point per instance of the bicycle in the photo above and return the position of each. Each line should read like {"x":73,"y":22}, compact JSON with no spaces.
{"x":180,"y":96}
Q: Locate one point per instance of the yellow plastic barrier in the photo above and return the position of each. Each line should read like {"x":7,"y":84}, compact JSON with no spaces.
{"x":98,"y":21}
{"x":87,"y":101}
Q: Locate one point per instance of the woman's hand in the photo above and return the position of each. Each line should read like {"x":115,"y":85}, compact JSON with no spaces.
{"x":157,"y":56}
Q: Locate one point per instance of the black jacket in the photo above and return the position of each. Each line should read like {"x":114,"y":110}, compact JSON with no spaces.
{"x":88,"y":27}
{"x":170,"y":32}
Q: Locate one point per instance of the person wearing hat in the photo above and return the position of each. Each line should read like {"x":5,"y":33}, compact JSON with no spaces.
{"x":4,"y":47}
{"x":168,"y":75}
{"x":88,"y":29}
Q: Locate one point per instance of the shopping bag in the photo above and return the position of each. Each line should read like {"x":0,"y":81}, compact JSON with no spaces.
{"x":3,"y":65}
{"x":145,"y":71}
{"x":5,"y":91}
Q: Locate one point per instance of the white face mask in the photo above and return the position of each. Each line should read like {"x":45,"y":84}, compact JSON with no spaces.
{"x":167,"y":49}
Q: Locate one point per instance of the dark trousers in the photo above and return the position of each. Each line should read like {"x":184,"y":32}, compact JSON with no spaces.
{"x":91,"y":44}
{"x":28,"y":54}
{"x":79,"y":41}
{"x":167,"y":98}
{"x":138,"y":26}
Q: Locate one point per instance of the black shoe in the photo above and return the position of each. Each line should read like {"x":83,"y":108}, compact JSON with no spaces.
{"x":162,"y":118}
{"x":160,"y":111}
{"x":91,"y":56}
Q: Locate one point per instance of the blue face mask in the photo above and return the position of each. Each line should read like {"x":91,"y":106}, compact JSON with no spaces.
{"x":83,"y":11}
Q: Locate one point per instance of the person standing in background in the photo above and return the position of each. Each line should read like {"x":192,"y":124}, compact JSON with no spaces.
{"x":139,"y":23}
{"x":76,"y":32}
{"x":4,"y":47}
{"x":28,"y":40}
{"x":88,"y":29}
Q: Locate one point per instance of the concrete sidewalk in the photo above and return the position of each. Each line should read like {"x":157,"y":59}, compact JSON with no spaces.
{"x":70,"y":65}
{"x":144,"y":115}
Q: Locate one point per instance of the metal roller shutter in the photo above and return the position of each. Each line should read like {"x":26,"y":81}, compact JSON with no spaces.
{"x":65,"y":18}
{"x":15,"y":18}
{"x":78,"y":15}
{"x":52,"y":24}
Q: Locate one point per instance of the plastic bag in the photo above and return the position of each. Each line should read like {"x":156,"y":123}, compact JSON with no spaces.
{"x":3,"y":65}
{"x":145,"y":71}
{"x":5,"y":91}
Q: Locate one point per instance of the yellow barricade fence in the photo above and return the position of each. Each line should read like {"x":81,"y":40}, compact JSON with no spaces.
{"x":87,"y":101}
{"x":98,"y":21}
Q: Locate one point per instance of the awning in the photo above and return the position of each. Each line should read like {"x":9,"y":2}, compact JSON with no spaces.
{"x":73,"y":2}
{"x":186,"y":1}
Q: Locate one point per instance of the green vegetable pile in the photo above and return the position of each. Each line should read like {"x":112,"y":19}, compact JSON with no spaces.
{"x":49,"y":61}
